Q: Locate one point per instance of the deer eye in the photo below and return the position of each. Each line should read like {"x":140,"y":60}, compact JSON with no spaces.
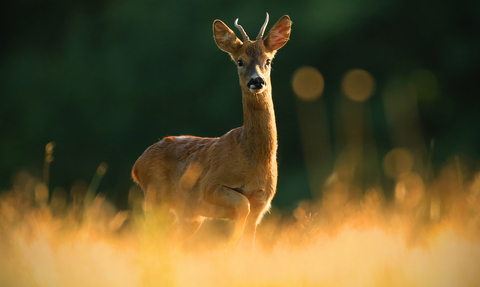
{"x":240,"y":63}
{"x":268,"y":62}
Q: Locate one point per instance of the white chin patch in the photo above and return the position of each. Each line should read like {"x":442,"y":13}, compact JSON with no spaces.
{"x":255,"y":90}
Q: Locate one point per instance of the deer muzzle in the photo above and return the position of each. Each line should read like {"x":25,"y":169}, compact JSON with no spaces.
{"x":256,"y":84}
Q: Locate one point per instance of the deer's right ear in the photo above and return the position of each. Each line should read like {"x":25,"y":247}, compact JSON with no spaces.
{"x":225,"y":38}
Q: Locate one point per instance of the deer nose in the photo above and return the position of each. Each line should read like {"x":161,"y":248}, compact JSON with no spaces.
{"x":256,"y":83}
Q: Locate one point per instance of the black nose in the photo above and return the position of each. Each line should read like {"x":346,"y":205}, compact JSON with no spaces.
{"x":256,"y":83}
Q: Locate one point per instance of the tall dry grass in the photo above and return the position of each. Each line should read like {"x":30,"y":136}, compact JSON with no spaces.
{"x":342,"y":240}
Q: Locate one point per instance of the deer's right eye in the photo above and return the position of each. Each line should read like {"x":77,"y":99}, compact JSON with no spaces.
{"x":240,"y":63}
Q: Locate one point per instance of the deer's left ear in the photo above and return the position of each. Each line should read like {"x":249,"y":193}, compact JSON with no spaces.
{"x":279,"y":34}
{"x":225,"y":37}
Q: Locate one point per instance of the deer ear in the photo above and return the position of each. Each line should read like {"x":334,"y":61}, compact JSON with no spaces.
{"x":279,"y":34}
{"x":225,"y":38}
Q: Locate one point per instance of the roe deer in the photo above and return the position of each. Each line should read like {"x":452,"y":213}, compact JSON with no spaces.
{"x":230,"y":177}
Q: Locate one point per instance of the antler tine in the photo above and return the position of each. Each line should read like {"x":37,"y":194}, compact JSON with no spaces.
{"x":244,"y":35}
{"x":262,"y":30}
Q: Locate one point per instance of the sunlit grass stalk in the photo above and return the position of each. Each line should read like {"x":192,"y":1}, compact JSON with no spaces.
{"x":48,"y":159}
{"x":92,"y":189}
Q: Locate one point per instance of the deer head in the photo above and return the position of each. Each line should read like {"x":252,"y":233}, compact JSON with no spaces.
{"x":253,"y":58}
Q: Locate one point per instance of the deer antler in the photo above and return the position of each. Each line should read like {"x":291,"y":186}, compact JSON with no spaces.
{"x":262,"y":30}
{"x":244,"y":35}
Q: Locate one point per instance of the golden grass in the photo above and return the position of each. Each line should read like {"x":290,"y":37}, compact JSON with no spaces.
{"x":342,"y":240}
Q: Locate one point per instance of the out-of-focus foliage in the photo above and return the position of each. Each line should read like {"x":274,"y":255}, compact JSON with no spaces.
{"x":106,"y":79}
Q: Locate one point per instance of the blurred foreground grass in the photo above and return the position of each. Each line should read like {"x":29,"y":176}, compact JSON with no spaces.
{"x":419,"y":238}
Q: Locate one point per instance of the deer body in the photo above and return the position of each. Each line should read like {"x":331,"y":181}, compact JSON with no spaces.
{"x":231,"y":177}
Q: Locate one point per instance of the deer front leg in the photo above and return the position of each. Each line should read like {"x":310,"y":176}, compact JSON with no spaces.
{"x":256,"y":214}
{"x":225,"y":203}
{"x":259,"y":205}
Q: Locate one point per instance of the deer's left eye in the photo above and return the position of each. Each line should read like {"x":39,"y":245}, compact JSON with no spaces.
{"x":268,"y":62}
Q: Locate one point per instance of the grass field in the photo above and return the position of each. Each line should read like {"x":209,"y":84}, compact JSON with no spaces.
{"x":350,"y":234}
{"x":421,"y":238}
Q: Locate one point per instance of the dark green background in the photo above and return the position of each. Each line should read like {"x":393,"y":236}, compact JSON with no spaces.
{"x":106,"y":79}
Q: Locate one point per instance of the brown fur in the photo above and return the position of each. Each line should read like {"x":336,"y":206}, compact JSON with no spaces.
{"x":253,"y":51}
{"x":231,"y":177}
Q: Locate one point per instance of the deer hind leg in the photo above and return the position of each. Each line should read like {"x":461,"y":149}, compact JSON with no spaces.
{"x":182,"y":229}
{"x":157,"y":206}
{"x":176,"y":226}
{"x":150,"y":194}
{"x":226,"y":203}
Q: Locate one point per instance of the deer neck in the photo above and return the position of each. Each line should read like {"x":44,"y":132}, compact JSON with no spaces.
{"x":259,"y":128}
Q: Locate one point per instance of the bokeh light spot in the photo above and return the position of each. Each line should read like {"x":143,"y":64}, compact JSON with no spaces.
{"x":308,"y":83}
{"x":398,"y":163}
{"x":358,"y":85}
